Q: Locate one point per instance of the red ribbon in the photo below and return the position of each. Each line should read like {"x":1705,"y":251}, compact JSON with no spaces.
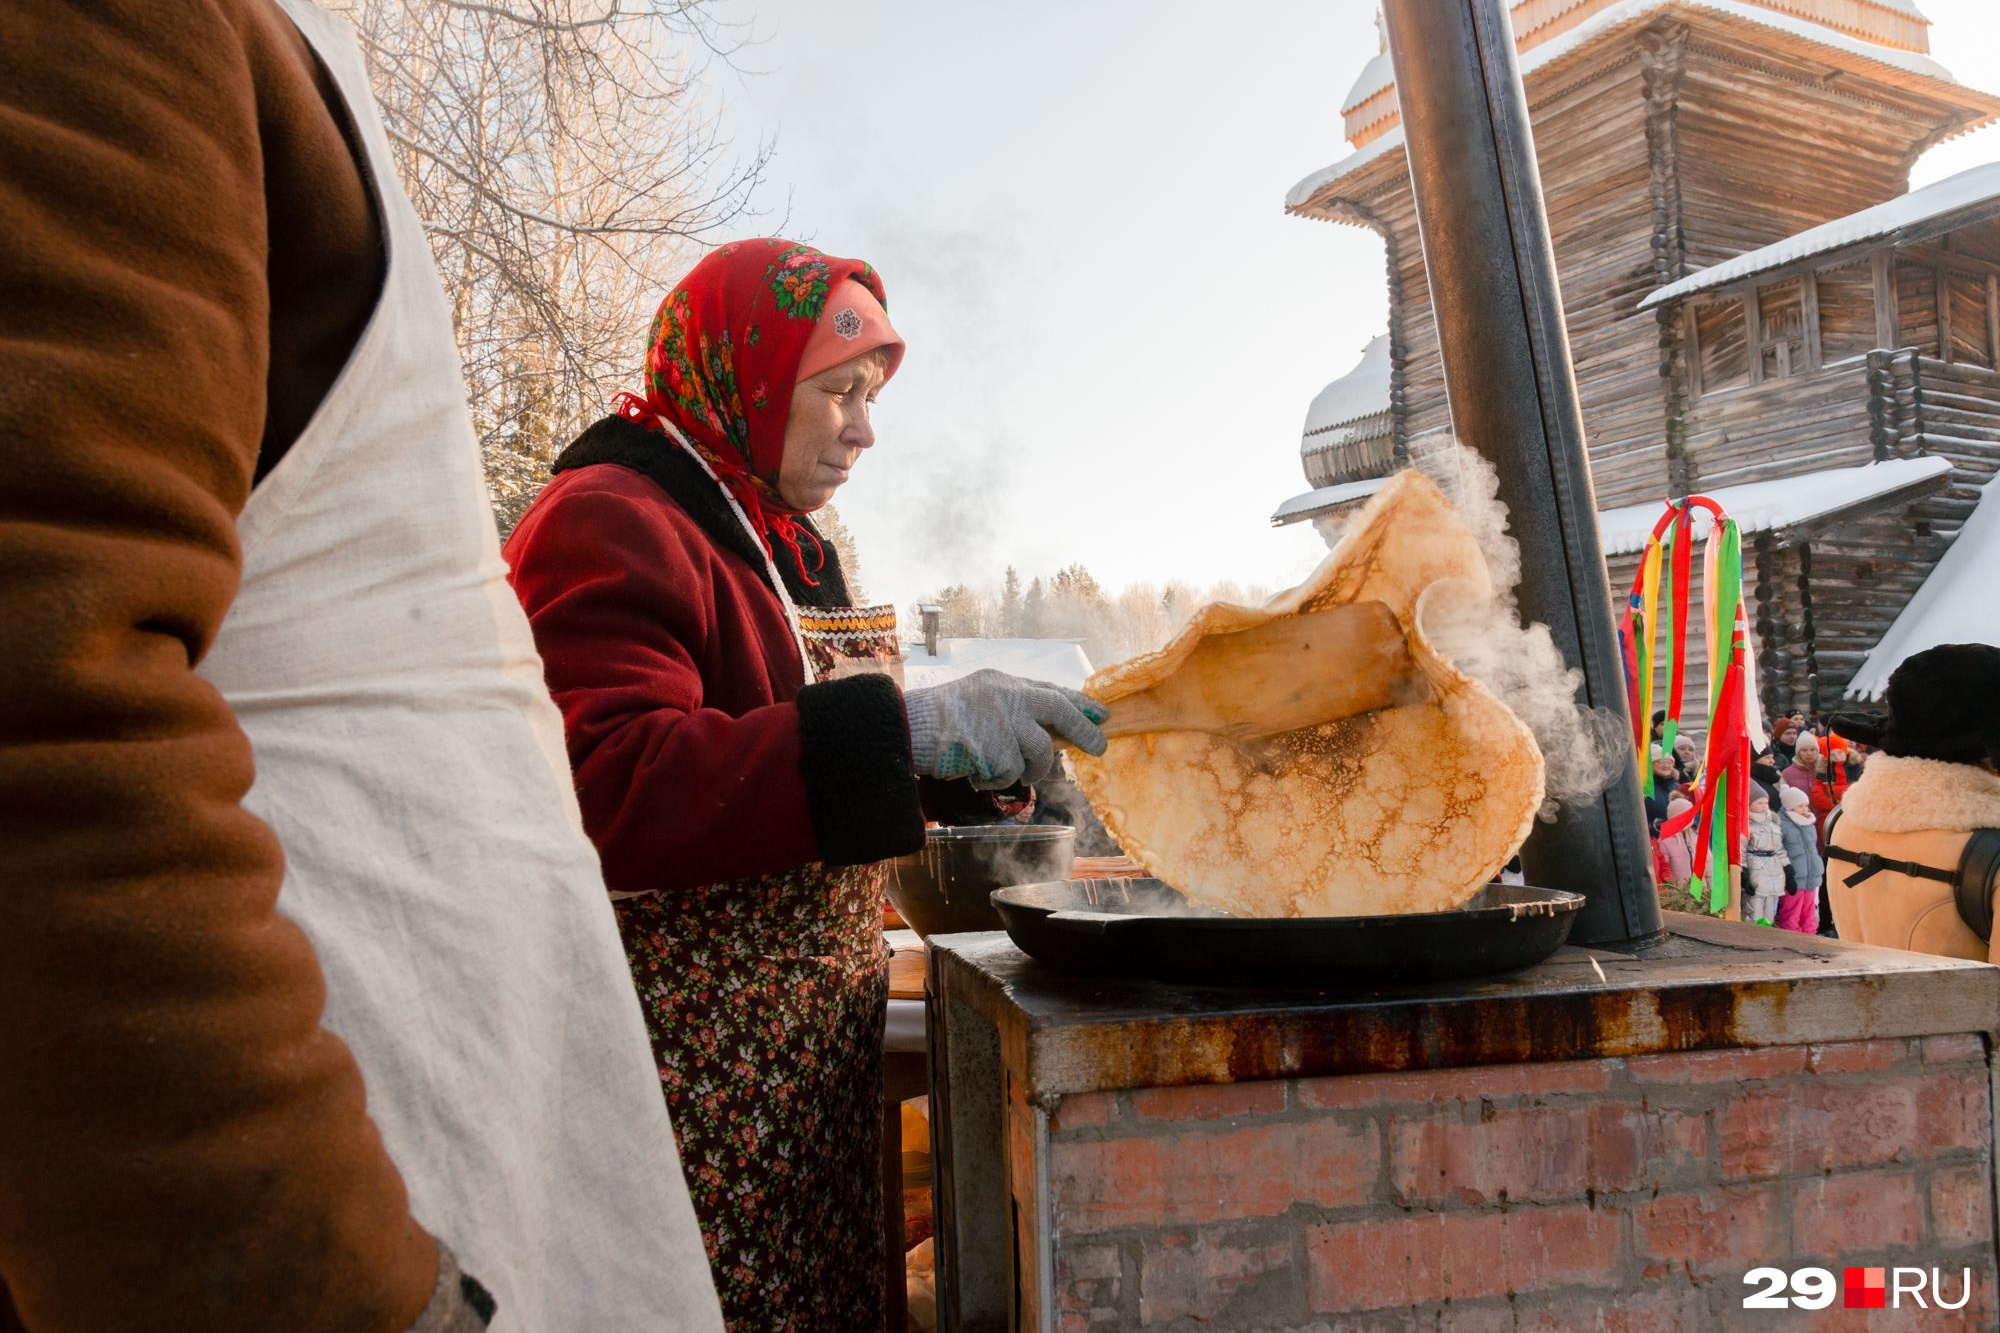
{"x":1683,"y":556}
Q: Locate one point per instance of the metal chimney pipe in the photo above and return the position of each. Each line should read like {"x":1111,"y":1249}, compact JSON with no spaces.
{"x":1492,"y":277}
{"x":932,"y":614}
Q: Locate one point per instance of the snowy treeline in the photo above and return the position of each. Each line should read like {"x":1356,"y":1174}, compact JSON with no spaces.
{"x":1070,"y":604}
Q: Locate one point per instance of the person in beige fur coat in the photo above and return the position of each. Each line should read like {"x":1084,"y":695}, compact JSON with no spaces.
{"x":1934,"y":780}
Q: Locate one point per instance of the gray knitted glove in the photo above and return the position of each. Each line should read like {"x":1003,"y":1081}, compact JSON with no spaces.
{"x":995,"y":728}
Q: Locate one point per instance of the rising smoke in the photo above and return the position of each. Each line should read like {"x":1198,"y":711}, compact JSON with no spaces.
{"x":1583,"y":748}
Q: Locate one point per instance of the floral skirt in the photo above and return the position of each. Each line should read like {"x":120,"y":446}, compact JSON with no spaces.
{"x":771,"y":1061}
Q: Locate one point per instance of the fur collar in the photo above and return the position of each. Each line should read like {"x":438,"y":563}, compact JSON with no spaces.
{"x":628,"y":444}
{"x":1902,"y":795}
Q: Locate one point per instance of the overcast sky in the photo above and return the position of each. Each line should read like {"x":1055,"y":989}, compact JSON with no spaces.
{"x":1077,"y":207}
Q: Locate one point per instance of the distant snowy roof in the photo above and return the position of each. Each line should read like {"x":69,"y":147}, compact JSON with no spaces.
{"x":1381,"y":146}
{"x":1057,"y":661}
{"x":1969,"y":189}
{"x":1374,"y":77}
{"x":1361,"y":392}
{"x":1765,"y":506}
{"x":1955,"y":605}
{"x":1377,"y":73}
{"x":1326,"y":497}
{"x":1616,"y":16}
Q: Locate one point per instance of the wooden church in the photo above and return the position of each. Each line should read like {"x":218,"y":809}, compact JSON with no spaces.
{"x":1759,"y":310}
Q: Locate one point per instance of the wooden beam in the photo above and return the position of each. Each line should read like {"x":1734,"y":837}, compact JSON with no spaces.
{"x":1753,"y":332}
{"x":1809,"y":318}
{"x":1944,"y":315}
{"x":1883,"y":265}
{"x":1948,"y":259}
{"x":1689,"y":327}
{"x":1993,"y":319}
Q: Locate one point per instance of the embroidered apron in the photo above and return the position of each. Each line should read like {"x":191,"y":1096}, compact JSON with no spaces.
{"x":765,"y":1000}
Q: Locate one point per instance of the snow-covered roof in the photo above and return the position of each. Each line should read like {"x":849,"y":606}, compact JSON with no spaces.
{"x":1374,"y":77}
{"x":1377,"y":74}
{"x":1361,"y":392}
{"x":1057,"y":661}
{"x":1617,"y":16}
{"x":1976,"y":188}
{"x":1956,"y":604}
{"x":1326,"y":497}
{"x":1380,"y":146}
{"x":1766,"y":506}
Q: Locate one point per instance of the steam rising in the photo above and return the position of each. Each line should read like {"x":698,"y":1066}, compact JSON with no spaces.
{"x":1583,"y":748}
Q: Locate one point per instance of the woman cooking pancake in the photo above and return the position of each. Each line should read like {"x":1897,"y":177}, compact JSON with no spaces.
{"x":743,"y":762}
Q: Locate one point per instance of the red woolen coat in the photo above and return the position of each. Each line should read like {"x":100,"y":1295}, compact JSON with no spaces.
{"x":699,"y":753}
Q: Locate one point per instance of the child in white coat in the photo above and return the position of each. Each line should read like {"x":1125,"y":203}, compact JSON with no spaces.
{"x":1764,"y":862}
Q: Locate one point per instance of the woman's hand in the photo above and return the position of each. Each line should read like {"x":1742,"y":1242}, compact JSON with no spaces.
{"x":996,"y":729}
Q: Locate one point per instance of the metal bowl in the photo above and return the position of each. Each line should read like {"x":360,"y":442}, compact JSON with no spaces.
{"x":1143,"y":928}
{"x":948,"y":886}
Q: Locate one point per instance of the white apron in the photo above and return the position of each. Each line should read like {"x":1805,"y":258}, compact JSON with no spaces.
{"x":411,"y":761}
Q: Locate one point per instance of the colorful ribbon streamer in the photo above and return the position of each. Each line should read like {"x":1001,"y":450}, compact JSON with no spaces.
{"x":1721,"y":792}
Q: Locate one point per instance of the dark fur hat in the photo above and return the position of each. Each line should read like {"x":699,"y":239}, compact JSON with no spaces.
{"x":1944,"y":703}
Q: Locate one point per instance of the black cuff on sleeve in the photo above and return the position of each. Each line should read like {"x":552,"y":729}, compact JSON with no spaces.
{"x":860,"y":788}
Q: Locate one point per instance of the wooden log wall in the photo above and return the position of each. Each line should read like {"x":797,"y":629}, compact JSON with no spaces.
{"x":1671,"y":150}
{"x":1862,"y":575}
{"x":1766,"y":153}
{"x":1846,"y":299}
{"x":1782,"y":427}
{"x":1966,"y":318}
{"x":1622,"y":569}
{"x":1601,"y":224}
{"x":1952,"y":411}
{"x":1659,"y":154}
{"x":1781,"y":621}
{"x":1416,"y":370}
{"x":1599,"y":182}
{"x":1917,"y":307}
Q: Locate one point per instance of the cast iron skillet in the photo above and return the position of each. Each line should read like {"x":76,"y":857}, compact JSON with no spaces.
{"x":1143,"y":928}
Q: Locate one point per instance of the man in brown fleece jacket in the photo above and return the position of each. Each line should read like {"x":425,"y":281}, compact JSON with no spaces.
{"x":187,"y":256}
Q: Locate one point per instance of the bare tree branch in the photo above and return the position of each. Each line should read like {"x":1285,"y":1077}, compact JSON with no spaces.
{"x":560,"y":157}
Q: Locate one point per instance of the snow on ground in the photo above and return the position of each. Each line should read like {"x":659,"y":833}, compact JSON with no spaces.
{"x":1968,"y":189}
{"x":1057,"y":661}
{"x":1957,"y":603}
{"x":1760,"y":506}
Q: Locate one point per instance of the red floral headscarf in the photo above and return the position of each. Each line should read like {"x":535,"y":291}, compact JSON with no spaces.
{"x":724,"y":357}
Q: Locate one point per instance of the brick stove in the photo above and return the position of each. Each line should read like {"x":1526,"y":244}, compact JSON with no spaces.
{"x":1552,"y":1150}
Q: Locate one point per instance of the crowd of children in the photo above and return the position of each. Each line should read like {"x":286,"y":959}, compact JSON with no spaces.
{"x":1800,"y":778}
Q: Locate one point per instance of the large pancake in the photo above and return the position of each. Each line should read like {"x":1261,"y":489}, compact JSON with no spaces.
{"x":1410,"y":809}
